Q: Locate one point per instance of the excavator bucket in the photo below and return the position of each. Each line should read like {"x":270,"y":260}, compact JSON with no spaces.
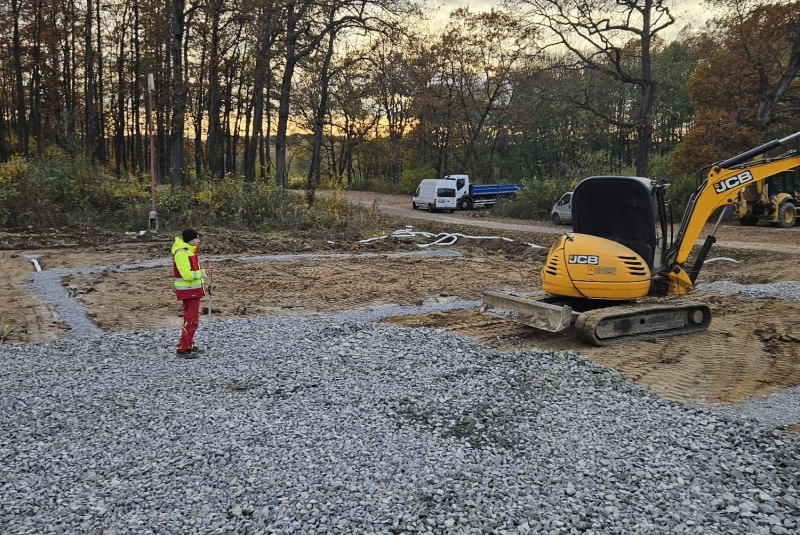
{"x":529,"y":311}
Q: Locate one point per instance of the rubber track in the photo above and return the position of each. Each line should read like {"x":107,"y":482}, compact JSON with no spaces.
{"x":587,"y":322}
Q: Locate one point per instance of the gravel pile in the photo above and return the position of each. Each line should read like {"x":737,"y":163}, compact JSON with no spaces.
{"x":788,"y":291}
{"x":338,"y":424}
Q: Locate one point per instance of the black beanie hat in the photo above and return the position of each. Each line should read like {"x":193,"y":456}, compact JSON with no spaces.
{"x":189,"y":234}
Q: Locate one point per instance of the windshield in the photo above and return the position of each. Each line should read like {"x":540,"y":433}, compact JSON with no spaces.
{"x":445,"y":192}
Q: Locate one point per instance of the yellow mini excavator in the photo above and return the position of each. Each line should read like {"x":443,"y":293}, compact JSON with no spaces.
{"x":621,"y":272}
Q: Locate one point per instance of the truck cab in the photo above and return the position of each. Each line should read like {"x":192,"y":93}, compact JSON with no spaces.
{"x":469,"y":195}
{"x":462,"y":189}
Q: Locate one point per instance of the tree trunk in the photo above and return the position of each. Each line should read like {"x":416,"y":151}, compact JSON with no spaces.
{"x":3,"y":147}
{"x":226,"y":121}
{"x":216,"y":161}
{"x":138,"y":144}
{"x":73,"y":78}
{"x":766,"y":106}
{"x":198,"y":123}
{"x":101,"y":120}
{"x":89,"y":118}
{"x":177,"y":170}
{"x":281,"y":177}
{"x":120,"y":157}
{"x":314,"y":177}
{"x":267,"y":165}
{"x":22,"y":134}
{"x":644,"y":126}
{"x":237,"y":123}
{"x":36,"y":77}
{"x":262,"y":59}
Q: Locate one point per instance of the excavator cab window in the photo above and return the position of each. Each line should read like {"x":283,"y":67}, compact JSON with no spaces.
{"x":618,"y":209}
{"x":781,"y":183}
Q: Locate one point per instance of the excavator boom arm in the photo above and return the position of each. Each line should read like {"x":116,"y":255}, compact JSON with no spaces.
{"x":720,"y":188}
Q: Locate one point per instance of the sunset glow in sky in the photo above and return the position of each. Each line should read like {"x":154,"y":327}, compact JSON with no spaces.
{"x":685,"y":12}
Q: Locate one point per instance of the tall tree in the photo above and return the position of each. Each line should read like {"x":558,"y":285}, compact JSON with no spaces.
{"x":100,"y":96}
{"x":120,"y":152}
{"x":395,"y":88}
{"x":177,"y":170}
{"x":305,"y":28}
{"x":319,"y":101}
{"x":22,"y":133}
{"x":482,"y":52}
{"x":136,"y":97}
{"x":216,"y":9}
{"x":746,"y":85}
{"x":357,"y":114}
{"x":603,"y":35}
{"x":90,"y":139}
{"x":320,"y":112}
{"x":268,"y":29}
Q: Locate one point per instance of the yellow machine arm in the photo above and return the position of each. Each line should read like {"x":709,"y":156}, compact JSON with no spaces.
{"x":719,"y":188}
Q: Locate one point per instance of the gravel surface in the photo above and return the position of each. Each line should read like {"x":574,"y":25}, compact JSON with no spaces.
{"x":337,"y":424}
{"x":788,"y":291}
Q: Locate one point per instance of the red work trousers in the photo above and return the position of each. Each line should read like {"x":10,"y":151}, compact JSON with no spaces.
{"x":191,"y":312}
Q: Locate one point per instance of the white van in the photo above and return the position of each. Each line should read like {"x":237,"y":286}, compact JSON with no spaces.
{"x":562,"y":210}
{"x":435,"y":194}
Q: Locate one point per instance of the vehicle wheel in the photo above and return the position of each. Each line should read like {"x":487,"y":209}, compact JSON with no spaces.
{"x":451,"y":211}
{"x":430,"y":207}
{"x":466,"y":204}
{"x":556,"y":219}
{"x":748,"y":221}
{"x":414,"y":205}
{"x":787,"y":213}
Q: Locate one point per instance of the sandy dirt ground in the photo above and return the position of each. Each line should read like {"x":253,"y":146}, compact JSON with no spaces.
{"x":752,"y":347}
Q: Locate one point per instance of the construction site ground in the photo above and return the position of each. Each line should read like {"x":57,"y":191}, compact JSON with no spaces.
{"x":752,"y":347}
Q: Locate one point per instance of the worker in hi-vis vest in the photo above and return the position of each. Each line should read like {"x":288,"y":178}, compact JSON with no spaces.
{"x":189,"y":287}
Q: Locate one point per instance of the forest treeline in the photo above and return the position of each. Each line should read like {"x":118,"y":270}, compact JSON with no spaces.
{"x":364,"y":94}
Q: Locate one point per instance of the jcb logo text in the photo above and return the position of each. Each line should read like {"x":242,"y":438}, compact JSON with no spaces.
{"x":584,"y":259}
{"x":729,"y":183}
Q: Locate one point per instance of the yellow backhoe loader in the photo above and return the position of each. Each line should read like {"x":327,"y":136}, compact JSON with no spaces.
{"x":773,"y":201}
{"x":622,"y":272}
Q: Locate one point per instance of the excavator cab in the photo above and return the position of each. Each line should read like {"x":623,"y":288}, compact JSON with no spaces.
{"x":618,"y":209}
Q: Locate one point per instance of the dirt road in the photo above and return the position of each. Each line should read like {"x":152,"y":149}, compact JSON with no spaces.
{"x":752,"y":347}
{"x":730,"y":235}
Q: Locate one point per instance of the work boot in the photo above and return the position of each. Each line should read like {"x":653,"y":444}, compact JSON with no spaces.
{"x":188,"y":354}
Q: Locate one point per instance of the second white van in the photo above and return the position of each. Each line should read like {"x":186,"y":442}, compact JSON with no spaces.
{"x":562,"y":210}
{"x":435,"y":194}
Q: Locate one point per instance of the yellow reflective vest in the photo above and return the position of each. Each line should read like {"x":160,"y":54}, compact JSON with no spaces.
{"x":186,"y":271}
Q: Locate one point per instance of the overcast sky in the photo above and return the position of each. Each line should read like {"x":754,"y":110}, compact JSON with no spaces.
{"x":685,"y":11}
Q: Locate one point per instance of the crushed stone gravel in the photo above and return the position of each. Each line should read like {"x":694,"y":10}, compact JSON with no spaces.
{"x":787,"y":290}
{"x":336,"y":424}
